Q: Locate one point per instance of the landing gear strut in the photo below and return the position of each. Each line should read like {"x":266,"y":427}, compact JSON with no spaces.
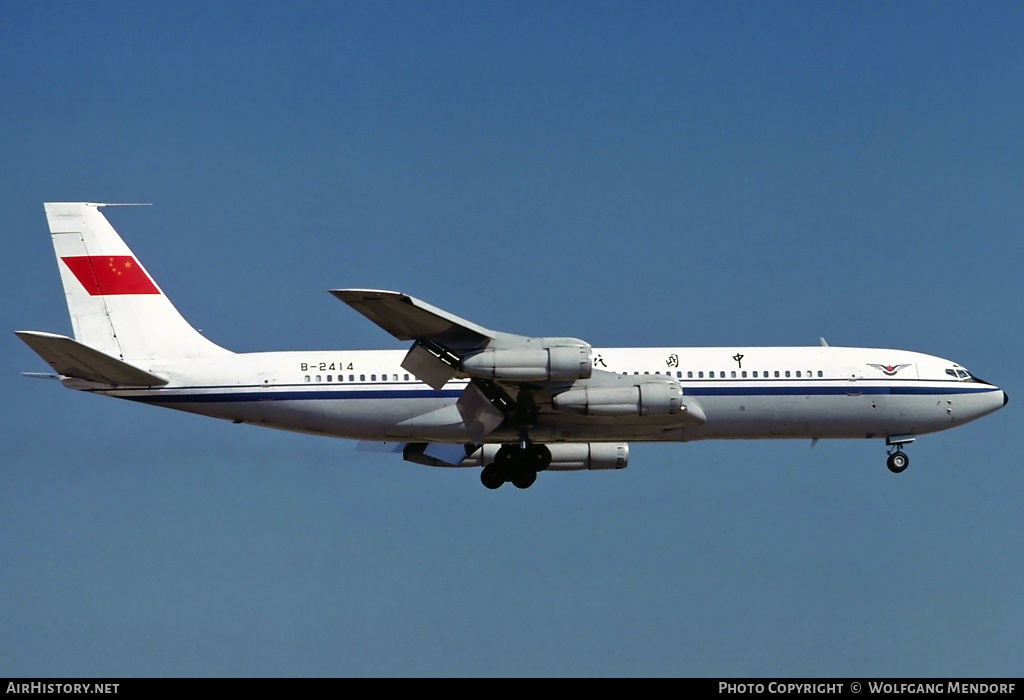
{"x":516,"y":463}
{"x":898,"y":459}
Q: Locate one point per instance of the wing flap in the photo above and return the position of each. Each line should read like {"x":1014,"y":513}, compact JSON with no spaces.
{"x":73,"y":359}
{"x":432,"y":366}
{"x":479,"y":414}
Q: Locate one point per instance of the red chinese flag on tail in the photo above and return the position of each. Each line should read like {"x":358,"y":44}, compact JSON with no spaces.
{"x":110,"y":274}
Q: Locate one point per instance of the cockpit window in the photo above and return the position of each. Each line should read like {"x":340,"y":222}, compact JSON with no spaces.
{"x":951,"y":372}
{"x":962,"y":374}
{"x":958,"y":373}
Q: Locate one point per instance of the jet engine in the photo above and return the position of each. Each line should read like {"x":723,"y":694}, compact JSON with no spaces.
{"x":565,"y":456}
{"x":574,"y":456}
{"x":641,"y":399}
{"x":565,"y":363}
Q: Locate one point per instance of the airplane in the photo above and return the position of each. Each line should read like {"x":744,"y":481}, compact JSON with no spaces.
{"x":464,"y":395}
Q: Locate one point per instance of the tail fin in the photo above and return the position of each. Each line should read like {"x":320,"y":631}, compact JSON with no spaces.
{"x":115,"y":305}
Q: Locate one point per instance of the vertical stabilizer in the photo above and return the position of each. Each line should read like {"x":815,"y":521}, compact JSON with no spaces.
{"x":115,"y":306}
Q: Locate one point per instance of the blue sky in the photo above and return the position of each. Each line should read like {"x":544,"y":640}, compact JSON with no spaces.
{"x":628,"y":173}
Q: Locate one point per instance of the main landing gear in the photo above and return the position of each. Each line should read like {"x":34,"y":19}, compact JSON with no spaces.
{"x":898,"y":459}
{"x":516,"y":463}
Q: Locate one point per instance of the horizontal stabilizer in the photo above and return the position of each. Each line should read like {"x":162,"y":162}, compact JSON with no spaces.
{"x":408,"y":318}
{"x":73,"y":359}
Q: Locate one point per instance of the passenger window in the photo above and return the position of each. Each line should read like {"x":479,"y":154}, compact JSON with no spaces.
{"x":700,"y":374}
{"x":406,"y":377}
{"x":351,"y":377}
{"x":733,"y":374}
{"x":362,"y":377}
{"x":689,"y":375}
{"x":776,"y":373}
{"x":820,"y":374}
{"x":755,"y":374}
{"x":307,"y":377}
{"x":798,"y":373}
{"x":787,"y":372}
{"x":318,"y":377}
{"x":329,"y":378}
{"x":744,"y":374}
{"x":394,"y":377}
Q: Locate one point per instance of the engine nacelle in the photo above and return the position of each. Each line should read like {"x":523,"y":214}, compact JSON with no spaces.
{"x":570,"y":456}
{"x":644,"y":399}
{"x":563,"y":363}
{"x":565,"y":456}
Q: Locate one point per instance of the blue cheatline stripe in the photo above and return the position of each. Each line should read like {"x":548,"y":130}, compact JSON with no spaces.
{"x":269,"y":395}
{"x":250,"y":395}
{"x":851,"y":389}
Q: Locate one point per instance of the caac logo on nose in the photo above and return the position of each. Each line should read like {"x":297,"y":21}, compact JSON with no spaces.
{"x":888,"y":370}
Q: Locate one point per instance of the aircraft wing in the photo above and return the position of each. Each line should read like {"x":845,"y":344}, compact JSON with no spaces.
{"x":408,"y":318}
{"x":513,"y":378}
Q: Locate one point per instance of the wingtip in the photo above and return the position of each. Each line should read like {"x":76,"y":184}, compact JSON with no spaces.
{"x":353,"y":291}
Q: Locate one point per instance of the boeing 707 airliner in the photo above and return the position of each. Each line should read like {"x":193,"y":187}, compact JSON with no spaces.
{"x":464,"y":395}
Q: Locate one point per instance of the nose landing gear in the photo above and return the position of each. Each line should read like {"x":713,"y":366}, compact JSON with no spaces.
{"x":898,"y":459}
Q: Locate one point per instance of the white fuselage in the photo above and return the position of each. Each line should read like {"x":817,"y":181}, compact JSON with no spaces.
{"x":745,"y":393}
{"x":465,"y":395}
